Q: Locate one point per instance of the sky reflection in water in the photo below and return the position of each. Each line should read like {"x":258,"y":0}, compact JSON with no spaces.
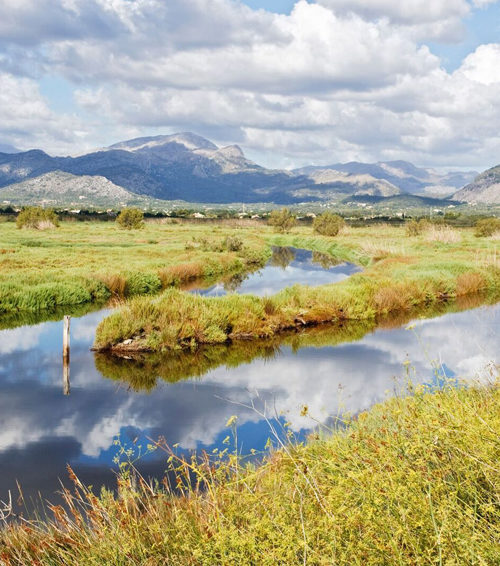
{"x":287,"y":266}
{"x":41,"y":430}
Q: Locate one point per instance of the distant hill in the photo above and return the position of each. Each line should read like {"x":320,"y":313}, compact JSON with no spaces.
{"x":190,"y":168}
{"x":59,"y":189}
{"x":402,"y":201}
{"x":178,"y":167}
{"x":401,"y":174}
{"x":484,"y":189}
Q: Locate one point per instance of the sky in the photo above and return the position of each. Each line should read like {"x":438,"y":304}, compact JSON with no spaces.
{"x":292,"y":82}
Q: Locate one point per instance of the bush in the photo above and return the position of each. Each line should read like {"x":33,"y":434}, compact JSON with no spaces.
{"x":487,"y":227}
{"x":282,"y":220}
{"x":131,"y":218}
{"x":328,"y":224}
{"x":37,"y":218}
{"x":414,"y":228}
{"x":233,"y":243}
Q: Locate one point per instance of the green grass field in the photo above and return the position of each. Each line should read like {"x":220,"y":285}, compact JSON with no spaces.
{"x":80,"y":263}
{"x":414,"y":480}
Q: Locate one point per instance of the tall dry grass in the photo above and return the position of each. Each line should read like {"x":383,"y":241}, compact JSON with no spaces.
{"x":442,"y":234}
{"x":415,"y":480}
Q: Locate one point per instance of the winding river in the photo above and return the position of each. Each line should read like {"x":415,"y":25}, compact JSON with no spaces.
{"x":189,"y":399}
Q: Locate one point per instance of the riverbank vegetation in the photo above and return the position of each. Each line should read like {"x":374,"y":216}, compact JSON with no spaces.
{"x":90,"y":262}
{"x":142,"y":371}
{"x":401,"y":273}
{"x":415,"y":480}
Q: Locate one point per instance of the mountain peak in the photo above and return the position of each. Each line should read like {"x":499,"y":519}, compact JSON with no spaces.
{"x":484,"y":189}
{"x":231,"y":152}
{"x":189,"y":140}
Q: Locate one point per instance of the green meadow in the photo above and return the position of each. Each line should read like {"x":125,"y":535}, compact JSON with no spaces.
{"x":414,"y":480}
{"x":80,"y":263}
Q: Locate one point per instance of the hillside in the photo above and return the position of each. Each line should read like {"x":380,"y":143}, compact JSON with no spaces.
{"x":188,"y":167}
{"x":485,"y":188}
{"x":178,"y":167}
{"x":64,"y":189}
{"x":401,"y":174}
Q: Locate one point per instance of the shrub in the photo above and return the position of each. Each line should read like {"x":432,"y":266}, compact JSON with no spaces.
{"x":328,"y":224}
{"x":37,"y":218}
{"x":487,"y":227}
{"x":233,"y":243}
{"x":414,"y":228}
{"x":131,"y":218}
{"x":282,"y":220}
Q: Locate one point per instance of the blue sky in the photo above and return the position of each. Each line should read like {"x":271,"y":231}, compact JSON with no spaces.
{"x":482,"y":26}
{"x":292,"y":83}
{"x":276,"y":6}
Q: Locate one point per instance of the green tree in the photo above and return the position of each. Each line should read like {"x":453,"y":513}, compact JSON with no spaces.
{"x":131,"y":218}
{"x":37,"y":218}
{"x":282,"y":220}
{"x":328,"y":224}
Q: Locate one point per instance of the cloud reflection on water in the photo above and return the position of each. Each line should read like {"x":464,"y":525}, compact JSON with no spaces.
{"x":35,"y":418}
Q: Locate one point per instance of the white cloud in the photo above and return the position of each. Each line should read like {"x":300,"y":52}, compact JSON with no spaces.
{"x":334,"y":80}
{"x":437,"y":20}
{"x":26,"y":119}
{"x":483,"y":65}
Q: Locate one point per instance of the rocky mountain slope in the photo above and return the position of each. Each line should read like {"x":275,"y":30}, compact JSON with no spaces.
{"x":401,"y":174}
{"x":189,"y":167}
{"x":182,"y":166}
{"x":59,"y":189}
{"x":485,"y":188}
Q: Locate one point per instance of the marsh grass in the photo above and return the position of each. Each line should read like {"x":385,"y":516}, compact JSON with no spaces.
{"x":444,"y":234}
{"x":87,"y":262}
{"x":414,"y":480}
{"x":409,"y":275}
{"x":142,"y":370}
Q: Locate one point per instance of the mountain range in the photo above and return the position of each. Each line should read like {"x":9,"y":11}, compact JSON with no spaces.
{"x":188,"y":167}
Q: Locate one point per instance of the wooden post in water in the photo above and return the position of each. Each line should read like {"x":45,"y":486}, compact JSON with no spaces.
{"x":66,"y":349}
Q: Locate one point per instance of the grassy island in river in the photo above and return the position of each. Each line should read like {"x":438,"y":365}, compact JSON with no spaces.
{"x":401,"y":273}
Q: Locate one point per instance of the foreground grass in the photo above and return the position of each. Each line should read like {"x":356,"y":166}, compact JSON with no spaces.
{"x":415,"y":480}
{"x":401,"y":273}
{"x":90,"y":262}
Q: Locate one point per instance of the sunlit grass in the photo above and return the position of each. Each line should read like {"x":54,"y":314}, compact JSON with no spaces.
{"x":89,"y":262}
{"x":414,"y":480}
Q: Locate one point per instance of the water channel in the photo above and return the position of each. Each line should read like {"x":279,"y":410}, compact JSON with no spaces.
{"x":189,"y":399}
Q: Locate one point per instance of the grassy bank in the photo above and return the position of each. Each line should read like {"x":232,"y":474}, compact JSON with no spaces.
{"x":143,"y":370}
{"x":80,"y":263}
{"x":401,"y":273}
{"x":415,"y":480}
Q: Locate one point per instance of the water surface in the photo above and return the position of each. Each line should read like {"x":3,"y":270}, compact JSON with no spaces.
{"x":287,"y":266}
{"x":188,"y":399}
